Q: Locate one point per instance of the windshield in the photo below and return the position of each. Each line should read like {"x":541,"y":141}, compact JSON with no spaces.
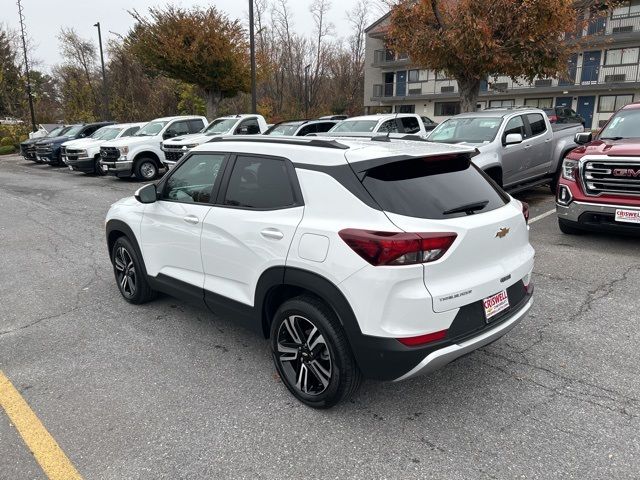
{"x":57,"y":131}
{"x":283,"y":129}
{"x":220,"y":125}
{"x":107,"y":133}
{"x":150,"y":129}
{"x":466,"y":129}
{"x":363,"y":126}
{"x":625,"y":124}
{"x":73,"y":131}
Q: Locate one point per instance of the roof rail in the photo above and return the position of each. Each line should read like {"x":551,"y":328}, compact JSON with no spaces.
{"x":513,"y":107}
{"x":316,"y":142}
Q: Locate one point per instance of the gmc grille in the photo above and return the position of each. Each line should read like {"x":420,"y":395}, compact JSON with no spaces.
{"x":173,"y":156}
{"x":109,"y":154}
{"x":615,"y":177}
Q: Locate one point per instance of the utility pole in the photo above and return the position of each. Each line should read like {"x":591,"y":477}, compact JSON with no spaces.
{"x":306,"y":91}
{"x":26,"y":68}
{"x":252,"y":46}
{"x":105,"y":97}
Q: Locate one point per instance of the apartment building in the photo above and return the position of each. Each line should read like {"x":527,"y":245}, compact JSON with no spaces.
{"x":602,"y":78}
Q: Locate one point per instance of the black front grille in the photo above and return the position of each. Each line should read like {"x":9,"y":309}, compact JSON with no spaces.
{"x":615,"y":177}
{"x":42,"y":150}
{"x":28,"y":150}
{"x":173,"y":156}
{"x":109,"y":154}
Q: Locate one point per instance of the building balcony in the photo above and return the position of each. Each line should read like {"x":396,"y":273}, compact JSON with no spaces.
{"x":387,"y":58}
{"x":580,"y":78}
{"x":617,"y":27}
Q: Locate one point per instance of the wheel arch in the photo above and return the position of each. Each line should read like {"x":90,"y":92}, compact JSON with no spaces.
{"x":116,"y":229}
{"x":148,"y":154}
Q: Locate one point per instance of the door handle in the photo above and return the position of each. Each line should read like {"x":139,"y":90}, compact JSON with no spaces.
{"x":192,"y":219}
{"x":527,"y":146}
{"x":272,"y":233}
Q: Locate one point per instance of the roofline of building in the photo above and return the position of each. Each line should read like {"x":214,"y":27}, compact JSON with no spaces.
{"x":377,"y":22}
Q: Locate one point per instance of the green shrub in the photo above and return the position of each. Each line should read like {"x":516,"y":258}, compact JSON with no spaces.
{"x":7,"y":149}
{"x":6,"y":141}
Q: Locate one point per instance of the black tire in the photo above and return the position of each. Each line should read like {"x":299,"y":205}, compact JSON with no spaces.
{"x":146,"y":169}
{"x":130,"y":273}
{"x":97,"y":169}
{"x":568,"y":228}
{"x":318,"y":367}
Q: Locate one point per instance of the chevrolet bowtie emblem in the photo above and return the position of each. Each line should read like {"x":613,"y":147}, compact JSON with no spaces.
{"x":503,"y":232}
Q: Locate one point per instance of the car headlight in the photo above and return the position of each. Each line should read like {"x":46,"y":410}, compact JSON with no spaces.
{"x":569,"y":169}
{"x":81,"y":153}
{"x":123,"y":150}
{"x":193,"y":145}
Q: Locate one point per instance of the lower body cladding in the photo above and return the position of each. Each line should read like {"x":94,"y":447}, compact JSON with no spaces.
{"x":596,"y":216}
{"x":389,"y":359}
{"x":119,"y":168}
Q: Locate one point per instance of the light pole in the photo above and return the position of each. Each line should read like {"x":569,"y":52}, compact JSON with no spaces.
{"x":26,"y":69}
{"x":105,"y":98}
{"x":252,"y":47}
{"x":306,"y":90}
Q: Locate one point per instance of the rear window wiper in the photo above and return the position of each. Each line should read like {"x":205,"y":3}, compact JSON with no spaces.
{"x":469,"y":208}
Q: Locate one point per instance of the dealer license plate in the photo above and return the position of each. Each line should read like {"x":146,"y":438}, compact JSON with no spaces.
{"x":495,"y":304}
{"x":627,"y":216}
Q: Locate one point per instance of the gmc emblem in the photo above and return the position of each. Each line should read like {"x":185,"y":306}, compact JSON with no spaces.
{"x":626,"y":172}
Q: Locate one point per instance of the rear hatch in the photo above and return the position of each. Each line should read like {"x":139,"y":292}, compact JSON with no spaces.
{"x":447,"y":193}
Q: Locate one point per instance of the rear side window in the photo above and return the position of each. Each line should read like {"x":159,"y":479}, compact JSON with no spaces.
{"x":130,"y":131}
{"x":390,"y":126}
{"x":306,"y":130}
{"x":536,"y":122}
{"x":410,"y":124}
{"x":324,"y":126}
{"x":260,"y":183}
{"x":432,"y":188}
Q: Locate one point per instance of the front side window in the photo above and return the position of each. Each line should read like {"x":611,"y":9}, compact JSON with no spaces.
{"x":107,"y":133}
{"x":196,"y":125}
{"x":178,"y":128}
{"x":536,"y":122}
{"x":515,"y":125}
{"x":130,"y":131}
{"x":324,"y":126}
{"x":193,"y":181}
{"x":283,"y":129}
{"x":260,"y":183}
{"x":306,"y":130}
{"x":220,"y":126}
{"x":73,"y":131}
{"x":248,"y":127}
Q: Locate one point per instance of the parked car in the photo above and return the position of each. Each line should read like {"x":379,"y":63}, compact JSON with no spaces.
{"x":245,"y":124}
{"x":395,"y":124}
{"x":301,"y":128}
{"x":428,"y":123}
{"x":563,"y":115}
{"x":355,"y":258}
{"x":83,"y":155}
{"x":140,"y":154}
{"x":28,"y":147}
{"x":518,"y":148}
{"x":600,"y":182}
{"x":49,"y":149}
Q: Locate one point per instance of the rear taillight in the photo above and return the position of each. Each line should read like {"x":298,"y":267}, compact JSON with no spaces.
{"x":525,"y":211}
{"x":397,"y":248}
{"x":423,"y":339}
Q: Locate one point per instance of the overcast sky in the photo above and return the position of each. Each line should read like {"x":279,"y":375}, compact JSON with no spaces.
{"x":44,"y":18}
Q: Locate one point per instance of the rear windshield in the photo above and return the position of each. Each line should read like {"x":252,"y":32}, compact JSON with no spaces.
{"x":433,"y":188}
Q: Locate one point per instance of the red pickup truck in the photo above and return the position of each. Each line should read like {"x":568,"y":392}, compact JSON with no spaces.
{"x":599,"y":187}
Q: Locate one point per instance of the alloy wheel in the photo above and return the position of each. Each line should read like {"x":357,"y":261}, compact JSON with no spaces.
{"x":148,"y":170}
{"x":125,"y":272}
{"x":304,"y":355}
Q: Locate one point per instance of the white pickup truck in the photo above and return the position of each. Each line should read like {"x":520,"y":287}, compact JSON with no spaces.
{"x":245,"y":124}
{"x":395,"y":125}
{"x":517,"y":147}
{"x":141,"y":154}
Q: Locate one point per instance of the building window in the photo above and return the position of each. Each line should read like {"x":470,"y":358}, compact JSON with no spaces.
{"x":627,"y":9}
{"x":622,"y":56}
{"x":406,"y":109}
{"x":502,"y":103}
{"x":539,"y":102}
{"x":612,"y":103}
{"x":414,"y":75}
{"x":442,"y":76}
{"x":446,"y":109}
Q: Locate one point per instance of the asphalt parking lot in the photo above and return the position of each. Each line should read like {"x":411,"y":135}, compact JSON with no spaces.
{"x":167,"y":391}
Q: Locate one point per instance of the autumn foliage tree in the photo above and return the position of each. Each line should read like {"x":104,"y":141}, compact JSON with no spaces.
{"x":198,"y":46}
{"x":472,"y":40}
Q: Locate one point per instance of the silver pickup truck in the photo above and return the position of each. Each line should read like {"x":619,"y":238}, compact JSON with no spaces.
{"x":518,"y":146}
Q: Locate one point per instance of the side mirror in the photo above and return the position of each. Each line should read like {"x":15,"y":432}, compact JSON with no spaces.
{"x":513,"y":138}
{"x":147,"y":194}
{"x":583,"y":137}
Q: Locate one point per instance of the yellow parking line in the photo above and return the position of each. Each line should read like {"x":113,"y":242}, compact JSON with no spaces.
{"x":55,"y":464}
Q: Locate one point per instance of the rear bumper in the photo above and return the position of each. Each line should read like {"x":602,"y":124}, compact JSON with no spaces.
{"x":443,"y":356}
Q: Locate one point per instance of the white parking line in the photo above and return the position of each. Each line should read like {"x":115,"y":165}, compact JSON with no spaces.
{"x":542,"y":215}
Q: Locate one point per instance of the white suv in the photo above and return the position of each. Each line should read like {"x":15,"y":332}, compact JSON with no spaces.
{"x":356,"y":258}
